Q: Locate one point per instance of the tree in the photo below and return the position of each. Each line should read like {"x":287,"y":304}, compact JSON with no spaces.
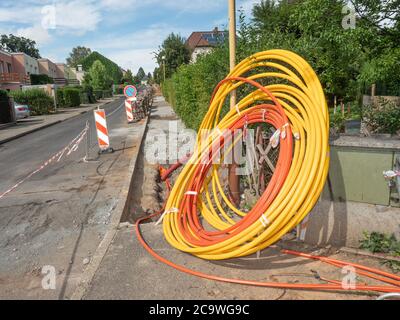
{"x":77,"y":55}
{"x":175,"y":52}
{"x":128,"y":78}
{"x":99,"y":76}
{"x":13,"y":43}
{"x":157,"y":75}
{"x":140,"y":74}
{"x":113,"y":70}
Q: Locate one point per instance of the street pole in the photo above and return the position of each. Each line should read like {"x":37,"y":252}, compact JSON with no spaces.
{"x":55,"y":98}
{"x":234,"y":184}
{"x":163,"y":58}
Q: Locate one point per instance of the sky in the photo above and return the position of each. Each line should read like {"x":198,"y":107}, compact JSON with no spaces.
{"x":126,"y":31}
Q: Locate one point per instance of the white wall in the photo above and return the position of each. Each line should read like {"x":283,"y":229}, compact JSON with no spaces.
{"x":198,"y":51}
{"x":31,"y":65}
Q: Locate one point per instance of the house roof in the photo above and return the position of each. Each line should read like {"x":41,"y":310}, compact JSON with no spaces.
{"x":205,"y":38}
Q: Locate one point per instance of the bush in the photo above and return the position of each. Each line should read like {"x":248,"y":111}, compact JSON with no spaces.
{"x":60,"y":98}
{"x":190,"y":88}
{"x":384,"y":118}
{"x":37,"y":79}
{"x":71,"y":97}
{"x":98,"y":94}
{"x":88,"y":89}
{"x":38,"y":100}
{"x":3,"y":94}
{"x":107,"y":93}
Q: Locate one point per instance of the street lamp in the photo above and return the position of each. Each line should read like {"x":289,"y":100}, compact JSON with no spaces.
{"x":163,"y":59}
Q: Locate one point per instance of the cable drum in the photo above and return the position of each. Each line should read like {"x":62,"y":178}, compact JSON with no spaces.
{"x":287,"y":95}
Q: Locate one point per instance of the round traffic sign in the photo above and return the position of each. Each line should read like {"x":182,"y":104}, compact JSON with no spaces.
{"x":130,"y":91}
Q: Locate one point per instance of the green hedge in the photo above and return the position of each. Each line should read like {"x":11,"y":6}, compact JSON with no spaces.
{"x":68,"y":97}
{"x":38,"y":100}
{"x":60,"y":98}
{"x":86,"y":94}
{"x":37,"y":79}
{"x":71,"y":97}
{"x":3,"y":94}
{"x":107,"y":93}
{"x":98,"y":94}
{"x":190,"y":88}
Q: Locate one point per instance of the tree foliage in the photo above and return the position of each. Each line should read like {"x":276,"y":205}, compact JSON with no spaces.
{"x":12,"y":43}
{"x":99,"y":77}
{"x":173,"y":52}
{"x":77,"y":55}
{"x":347,"y":60}
{"x":128,"y":77}
{"x":113,"y":70}
{"x":140,"y":74}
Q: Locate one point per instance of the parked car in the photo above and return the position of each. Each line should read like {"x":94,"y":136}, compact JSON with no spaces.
{"x":21,"y":111}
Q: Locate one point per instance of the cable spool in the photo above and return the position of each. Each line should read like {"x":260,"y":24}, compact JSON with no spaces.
{"x":294,"y":103}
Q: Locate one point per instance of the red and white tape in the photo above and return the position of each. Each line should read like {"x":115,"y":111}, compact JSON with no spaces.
{"x":71,"y":147}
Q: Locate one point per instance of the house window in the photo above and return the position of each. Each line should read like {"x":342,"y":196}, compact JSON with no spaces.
{"x":1,"y":66}
{"x":9,"y":67}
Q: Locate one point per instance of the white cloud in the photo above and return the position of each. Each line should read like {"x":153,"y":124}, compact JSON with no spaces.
{"x":247,"y":6}
{"x":36,"y":32}
{"x":178,"y":5}
{"x":77,"y":17}
{"x":135,"y":49}
{"x":134,"y":59}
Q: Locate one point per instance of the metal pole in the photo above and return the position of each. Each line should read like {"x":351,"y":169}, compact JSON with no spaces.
{"x":234,"y":185}
{"x":55,"y":98}
{"x":164,"y":71}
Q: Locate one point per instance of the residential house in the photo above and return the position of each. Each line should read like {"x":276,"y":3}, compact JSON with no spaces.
{"x":11,"y":77}
{"x":65,"y":75}
{"x":48,"y":68}
{"x":202,"y":42}
{"x":78,"y":73}
{"x":25,"y":64}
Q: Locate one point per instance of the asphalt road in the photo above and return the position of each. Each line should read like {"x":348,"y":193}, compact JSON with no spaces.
{"x":59,"y":215}
{"x":21,"y":156}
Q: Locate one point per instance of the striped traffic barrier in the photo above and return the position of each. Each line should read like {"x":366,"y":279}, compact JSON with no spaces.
{"x":102,"y":131}
{"x":129,"y":112}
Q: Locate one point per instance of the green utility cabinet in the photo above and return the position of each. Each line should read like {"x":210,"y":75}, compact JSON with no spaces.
{"x":356,"y":170}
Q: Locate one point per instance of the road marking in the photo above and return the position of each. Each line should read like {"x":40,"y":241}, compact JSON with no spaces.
{"x":71,"y":147}
{"x":110,"y":114}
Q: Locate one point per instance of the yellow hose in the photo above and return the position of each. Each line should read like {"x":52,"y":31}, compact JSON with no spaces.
{"x":296,"y":87}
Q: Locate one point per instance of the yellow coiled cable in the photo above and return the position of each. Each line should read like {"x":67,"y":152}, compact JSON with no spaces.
{"x":300,"y":94}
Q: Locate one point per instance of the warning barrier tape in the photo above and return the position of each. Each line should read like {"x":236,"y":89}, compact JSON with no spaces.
{"x":70,"y":148}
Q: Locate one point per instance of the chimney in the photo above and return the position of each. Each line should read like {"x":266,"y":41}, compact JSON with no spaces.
{"x":216,"y":30}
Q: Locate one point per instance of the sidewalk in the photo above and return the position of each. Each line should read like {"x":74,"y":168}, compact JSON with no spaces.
{"x":35,"y":123}
{"x":127,"y":271}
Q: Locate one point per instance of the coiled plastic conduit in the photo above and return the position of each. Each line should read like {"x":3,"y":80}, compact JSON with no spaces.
{"x":294,"y":103}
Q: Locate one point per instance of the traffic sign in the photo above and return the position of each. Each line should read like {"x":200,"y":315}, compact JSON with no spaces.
{"x":130,"y":91}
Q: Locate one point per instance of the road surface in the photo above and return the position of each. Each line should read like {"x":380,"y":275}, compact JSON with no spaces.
{"x":58,"y":216}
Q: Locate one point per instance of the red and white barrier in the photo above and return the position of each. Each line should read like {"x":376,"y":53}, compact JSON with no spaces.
{"x":129,"y":111}
{"x":102,"y":131}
